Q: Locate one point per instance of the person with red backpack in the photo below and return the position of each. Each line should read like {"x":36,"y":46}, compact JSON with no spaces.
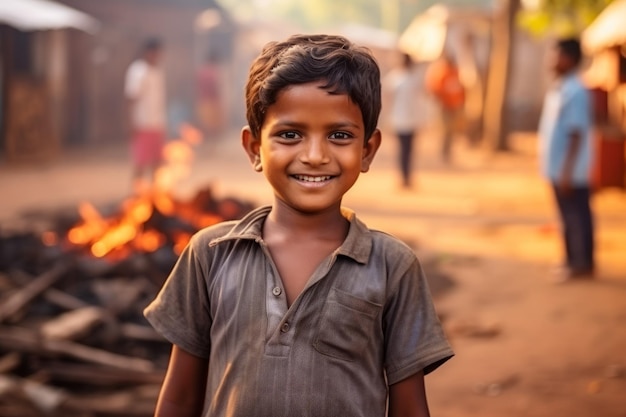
{"x":443,"y":82}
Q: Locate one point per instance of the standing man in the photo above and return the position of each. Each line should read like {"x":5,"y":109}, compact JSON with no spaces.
{"x":566,"y":155}
{"x":145,"y":92}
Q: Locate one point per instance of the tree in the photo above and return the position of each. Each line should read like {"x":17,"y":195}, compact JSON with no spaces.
{"x":496,"y":116}
{"x":542,"y":18}
{"x":394,"y":15}
{"x":559,"y":17}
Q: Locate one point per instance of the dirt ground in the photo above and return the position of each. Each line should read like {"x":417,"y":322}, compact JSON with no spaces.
{"x":486,"y":229}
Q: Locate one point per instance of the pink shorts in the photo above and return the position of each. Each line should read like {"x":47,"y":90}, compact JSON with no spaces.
{"x":147,"y":148}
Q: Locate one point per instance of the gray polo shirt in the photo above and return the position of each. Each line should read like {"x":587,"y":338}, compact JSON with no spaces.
{"x":364,"y":320}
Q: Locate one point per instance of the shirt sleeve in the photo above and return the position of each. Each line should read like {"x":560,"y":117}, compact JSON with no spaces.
{"x":414,"y":338}
{"x":134,"y":79}
{"x":576,"y":111}
{"x":181,"y":310}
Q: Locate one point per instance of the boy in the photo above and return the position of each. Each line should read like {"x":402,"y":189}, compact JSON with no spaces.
{"x":566,"y":154}
{"x":145,"y":93}
{"x":298,"y":309}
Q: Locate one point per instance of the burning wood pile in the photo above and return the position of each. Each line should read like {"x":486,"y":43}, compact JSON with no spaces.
{"x":73,"y":340}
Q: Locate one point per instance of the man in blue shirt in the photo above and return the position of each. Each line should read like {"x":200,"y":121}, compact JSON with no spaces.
{"x":566,"y":154}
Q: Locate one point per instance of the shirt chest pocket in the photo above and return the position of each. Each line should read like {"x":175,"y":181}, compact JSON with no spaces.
{"x":347,"y":325}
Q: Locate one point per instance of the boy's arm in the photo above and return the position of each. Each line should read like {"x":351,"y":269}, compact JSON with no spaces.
{"x":565,"y":181}
{"x":407,"y":398}
{"x":575,"y":117}
{"x":130,"y":110}
{"x":182,"y":393}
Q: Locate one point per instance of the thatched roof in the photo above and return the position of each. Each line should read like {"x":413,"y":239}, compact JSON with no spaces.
{"x":607,"y":30}
{"x":44,"y":14}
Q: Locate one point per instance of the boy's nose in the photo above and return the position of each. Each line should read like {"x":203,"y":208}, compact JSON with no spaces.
{"x":315,"y":152}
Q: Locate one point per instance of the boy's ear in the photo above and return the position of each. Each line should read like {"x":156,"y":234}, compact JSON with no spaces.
{"x":252,"y":147}
{"x":370,"y":149}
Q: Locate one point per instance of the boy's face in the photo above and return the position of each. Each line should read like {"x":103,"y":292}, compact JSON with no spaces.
{"x":561,"y":62}
{"x":312,"y":147}
{"x":153,"y":57}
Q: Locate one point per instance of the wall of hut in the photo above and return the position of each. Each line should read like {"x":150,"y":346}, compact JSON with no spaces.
{"x":32,"y":74}
{"x":104,"y":58}
{"x":70,"y":83}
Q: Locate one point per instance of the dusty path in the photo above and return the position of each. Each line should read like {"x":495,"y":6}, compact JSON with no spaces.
{"x":525,"y":347}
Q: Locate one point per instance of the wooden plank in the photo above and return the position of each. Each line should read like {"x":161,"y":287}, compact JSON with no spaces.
{"x":139,"y":332}
{"x":63,"y":299}
{"x":9,"y":362}
{"x":24,"y":340}
{"x":52,"y":295}
{"x":138,"y":402}
{"x":74,"y":324}
{"x":96,"y":375}
{"x":26,"y":294}
{"x":43,"y":397}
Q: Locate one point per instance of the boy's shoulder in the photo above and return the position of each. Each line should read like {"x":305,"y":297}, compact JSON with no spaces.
{"x":382,"y":244}
{"x":248,"y":227}
{"x":391,"y":246}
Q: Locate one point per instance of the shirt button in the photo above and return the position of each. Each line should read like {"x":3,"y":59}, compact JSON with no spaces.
{"x":277,"y":291}
{"x":285,"y":327}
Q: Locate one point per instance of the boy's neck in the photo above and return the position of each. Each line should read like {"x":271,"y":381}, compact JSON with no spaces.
{"x":329,"y":224}
{"x":568,"y":72}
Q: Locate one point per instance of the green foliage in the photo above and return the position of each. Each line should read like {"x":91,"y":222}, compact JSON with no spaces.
{"x":561,"y":17}
{"x":394,"y":15}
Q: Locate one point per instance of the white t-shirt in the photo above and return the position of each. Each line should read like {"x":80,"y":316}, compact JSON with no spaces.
{"x":146,"y":85}
{"x":406,"y":93}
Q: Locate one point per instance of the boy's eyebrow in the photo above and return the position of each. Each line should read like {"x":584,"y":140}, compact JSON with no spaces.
{"x":336,"y":125}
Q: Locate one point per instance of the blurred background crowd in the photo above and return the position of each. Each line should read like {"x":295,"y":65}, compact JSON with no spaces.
{"x":63,"y":63}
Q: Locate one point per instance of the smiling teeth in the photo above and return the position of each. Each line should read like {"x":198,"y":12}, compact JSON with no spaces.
{"x":312,"y":179}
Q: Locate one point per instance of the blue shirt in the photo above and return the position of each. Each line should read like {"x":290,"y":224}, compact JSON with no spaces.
{"x":567,"y":108}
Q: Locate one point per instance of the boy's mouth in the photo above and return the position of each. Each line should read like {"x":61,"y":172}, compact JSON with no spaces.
{"x":311,"y":178}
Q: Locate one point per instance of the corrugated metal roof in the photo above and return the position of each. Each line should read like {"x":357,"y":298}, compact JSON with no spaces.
{"x":44,"y":14}
{"x":608,"y":29}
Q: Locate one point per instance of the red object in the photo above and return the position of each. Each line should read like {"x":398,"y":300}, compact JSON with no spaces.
{"x":608,"y":165}
{"x":147,"y":148}
{"x":442,"y":80}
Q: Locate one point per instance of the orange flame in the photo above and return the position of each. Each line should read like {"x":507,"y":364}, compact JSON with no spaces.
{"x":190,"y":134}
{"x":92,"y":226}
{"x":117,"y":237}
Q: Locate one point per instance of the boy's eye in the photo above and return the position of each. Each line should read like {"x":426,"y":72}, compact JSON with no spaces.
{"x":340,"y":135}
{"x":289,"y":135}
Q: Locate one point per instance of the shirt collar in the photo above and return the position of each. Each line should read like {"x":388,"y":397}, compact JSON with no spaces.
{"x":357,"y":245}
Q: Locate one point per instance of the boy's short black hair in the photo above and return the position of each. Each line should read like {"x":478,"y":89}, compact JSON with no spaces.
{"x":407,"y":60}
{"x":571,"y":48}
{"x":343,"y":67}
{"x":152,"y":44}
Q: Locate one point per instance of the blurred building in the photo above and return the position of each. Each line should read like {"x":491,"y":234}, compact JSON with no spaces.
{"x":604,"y":41}
{"x":465,"y":33}
{"x":33,"y":74}
{"x":79,"y":76}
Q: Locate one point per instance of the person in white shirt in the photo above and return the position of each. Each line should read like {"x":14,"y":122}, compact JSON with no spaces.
{"x":403,"y":84}
{"x":145,"y":92}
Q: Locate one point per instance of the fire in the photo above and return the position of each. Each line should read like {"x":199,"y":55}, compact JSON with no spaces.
{"x":115,"y":237}
{"x":190,"y":134}
{"x":92,"y":226}
{"x":152,"y":217}
{"x":164,"y":203}
{"x":149,"y":241}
